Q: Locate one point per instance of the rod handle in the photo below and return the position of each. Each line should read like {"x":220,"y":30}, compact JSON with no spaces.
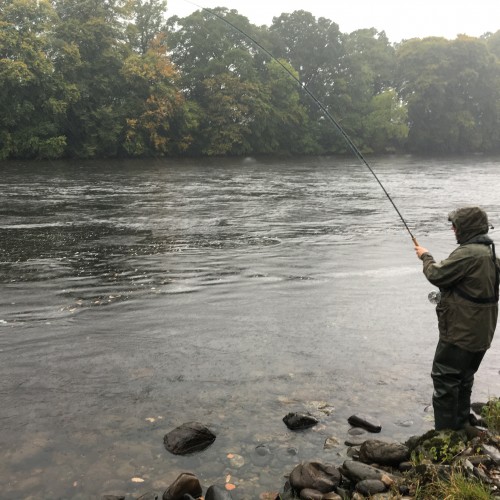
{"x":415,"y":242}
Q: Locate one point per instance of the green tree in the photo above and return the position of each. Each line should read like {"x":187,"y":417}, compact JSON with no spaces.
{"x":148,"y":20}
{"x":96,"y":32}
{"x":385,"y":126}
{"x":493,"y":43}
{"x":203,"y":46}
{"x":452,"y":92}
{"x":33,"y":98}
{"x":315,"y":48}
{"x":281,"y":122}
{"x":369,"y":72}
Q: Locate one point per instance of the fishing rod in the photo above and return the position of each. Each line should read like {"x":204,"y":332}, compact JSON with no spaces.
{"x":337,"y":125}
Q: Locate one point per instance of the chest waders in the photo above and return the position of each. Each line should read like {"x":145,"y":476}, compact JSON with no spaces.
{"x":453,"y":371}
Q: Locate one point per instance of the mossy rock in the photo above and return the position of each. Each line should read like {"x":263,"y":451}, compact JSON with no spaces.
{"x":437,"y":446}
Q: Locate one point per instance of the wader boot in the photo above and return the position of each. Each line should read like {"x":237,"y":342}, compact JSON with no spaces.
{"x":453,"y":372}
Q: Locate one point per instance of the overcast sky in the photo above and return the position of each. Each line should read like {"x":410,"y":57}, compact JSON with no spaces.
{"x":400,"y":19}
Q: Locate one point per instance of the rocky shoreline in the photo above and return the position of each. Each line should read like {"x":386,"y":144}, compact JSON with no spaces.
{"x":375,"y":468}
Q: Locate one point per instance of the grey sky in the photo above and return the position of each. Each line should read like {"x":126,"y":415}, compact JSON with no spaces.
{"x":400,"y":19}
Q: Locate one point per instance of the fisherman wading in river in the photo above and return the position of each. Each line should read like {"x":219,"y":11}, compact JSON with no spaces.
{"x":467,"y":314}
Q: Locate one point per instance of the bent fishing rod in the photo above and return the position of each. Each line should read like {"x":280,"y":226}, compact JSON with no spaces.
{"x":336,"y":124}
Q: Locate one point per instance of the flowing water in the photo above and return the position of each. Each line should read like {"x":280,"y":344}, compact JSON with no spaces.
{"x":137,"y":296}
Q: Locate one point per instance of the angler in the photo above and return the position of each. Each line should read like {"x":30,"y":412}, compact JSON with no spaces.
{"x":467,"y":313}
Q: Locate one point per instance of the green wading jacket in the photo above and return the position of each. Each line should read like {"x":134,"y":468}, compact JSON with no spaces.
{"x":471,"y":272}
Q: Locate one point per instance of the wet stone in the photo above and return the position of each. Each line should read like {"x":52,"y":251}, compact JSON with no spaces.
{"x":216,"y":492}
{"x":297,"y":421}
{"x":188,"y":438}
{"x":330,"y":443}
{"x":236,"y":461}
{"x":366,"y":422}
{"x":316,"y":476}
{"x":405,"y":466}
{"x":310,"y":494}
{"x":492,"y":452}
{"x":404,"y":423}
{"x":370,"y":487}
{"x":358,"y":471}
{"x":185,"y":484}
{"x":383,"y":453}
{"x":355,"y":440}
{"x":331,"y":496}
{"x":356,"y":431}
{"x":261,"y":456}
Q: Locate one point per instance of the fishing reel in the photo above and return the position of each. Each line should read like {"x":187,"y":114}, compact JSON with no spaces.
{"x":434,"y":297}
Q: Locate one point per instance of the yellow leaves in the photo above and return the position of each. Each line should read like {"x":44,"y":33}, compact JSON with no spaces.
{"x":154,"y":67}
{"x":16,"y":72}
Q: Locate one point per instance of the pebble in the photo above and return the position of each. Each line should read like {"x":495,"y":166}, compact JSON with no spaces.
{"x":235,"y":460}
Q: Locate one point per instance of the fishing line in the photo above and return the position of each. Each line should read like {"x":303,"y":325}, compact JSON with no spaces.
{"x":337,"y":125}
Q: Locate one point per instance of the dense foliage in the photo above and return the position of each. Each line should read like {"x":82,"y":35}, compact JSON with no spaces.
{"x":106,"y":78}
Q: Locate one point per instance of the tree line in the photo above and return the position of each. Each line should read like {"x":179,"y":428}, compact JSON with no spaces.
{"x":118,"y":78}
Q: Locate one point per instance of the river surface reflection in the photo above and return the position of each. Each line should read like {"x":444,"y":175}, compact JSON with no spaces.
{"x":137,"y":296}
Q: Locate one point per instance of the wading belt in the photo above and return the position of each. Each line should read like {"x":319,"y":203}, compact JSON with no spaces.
{"x":487,"y":300}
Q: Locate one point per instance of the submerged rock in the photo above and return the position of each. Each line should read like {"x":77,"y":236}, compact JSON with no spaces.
{"x":188,"y":438}
{"x":185,"y":484}
{"x":216,"y":492}
{"x":296,"y":421}
{"x":365,"y":422}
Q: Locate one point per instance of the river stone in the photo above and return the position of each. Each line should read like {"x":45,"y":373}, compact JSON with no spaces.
{"x":383,"y":453}
{"x":358,"y":471}
{"x":492,"y":452}
{"x":188,"y":438}
{"x":296,"y":421}
{"x":261,"y":456}
{"x":186,"y":483}
{"x":330,"y":443}
{"x":216,"y":492}
{"x":366,"y":422}
{"x":236,"y":461}
{"x":405,"y":466}
{"x":370,"y":487}
{"x":355,"y":440}
{"x":310,"y":494}
{"x":316,"y":476}
{"x":356,"y":431}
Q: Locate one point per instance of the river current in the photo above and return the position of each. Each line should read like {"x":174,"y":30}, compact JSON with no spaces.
{"x":140,"y":295}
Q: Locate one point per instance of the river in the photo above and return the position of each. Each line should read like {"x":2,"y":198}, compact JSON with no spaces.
{"x":139,"y":295}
